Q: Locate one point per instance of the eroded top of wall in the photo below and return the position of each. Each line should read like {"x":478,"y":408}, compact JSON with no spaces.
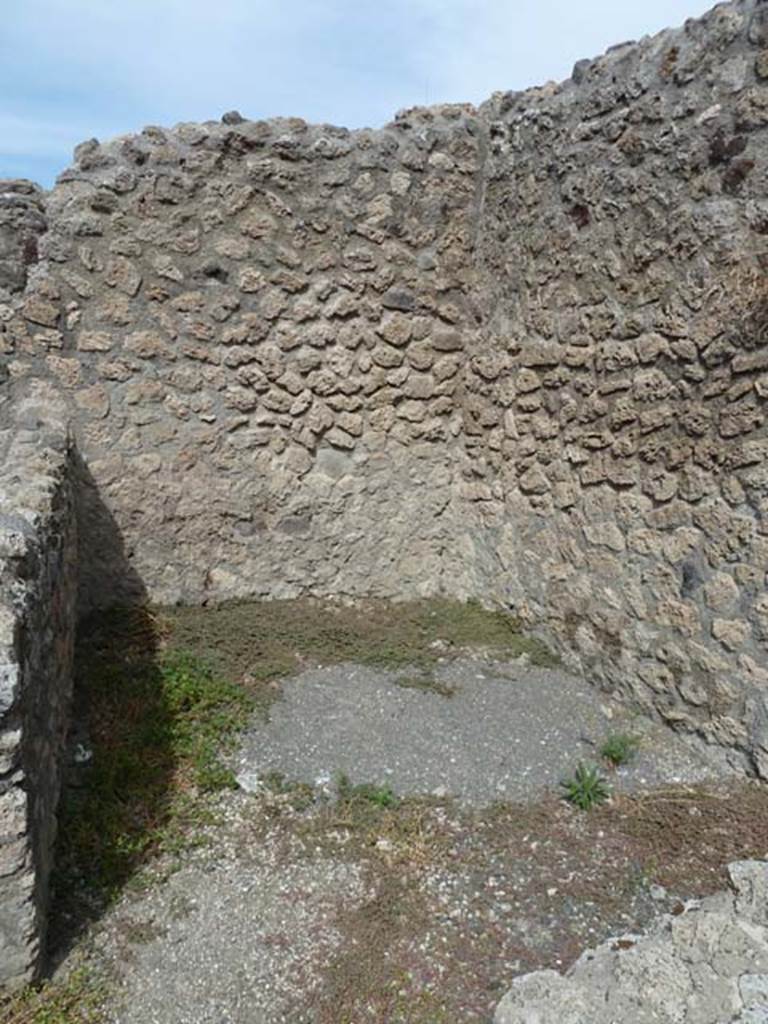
{"x":624,"y":237}
{"x":34,"y":452}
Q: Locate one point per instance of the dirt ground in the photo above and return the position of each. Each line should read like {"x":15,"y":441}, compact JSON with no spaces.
{"x":416,"y":914}
{"x":182,"y":898}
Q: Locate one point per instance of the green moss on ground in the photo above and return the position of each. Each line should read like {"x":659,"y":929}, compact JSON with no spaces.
{"x":257,"y":642}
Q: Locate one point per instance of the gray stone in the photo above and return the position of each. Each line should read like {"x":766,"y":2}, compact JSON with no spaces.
{"x":703,"y":967}
{"x":37,"y":623}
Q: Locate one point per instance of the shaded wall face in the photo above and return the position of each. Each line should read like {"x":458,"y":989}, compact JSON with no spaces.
{"x":37,"y":624}
{"x":624,"y":248}
{"x":261,"y":328}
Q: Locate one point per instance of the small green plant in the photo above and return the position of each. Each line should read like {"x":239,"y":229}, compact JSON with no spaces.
{"x":379,"y":796}
{"x":619,"y":748}
{"x":427,"y":683}
{"x":159,"y":722}
{"x":586,"y":788}
{"x":78,"y":999}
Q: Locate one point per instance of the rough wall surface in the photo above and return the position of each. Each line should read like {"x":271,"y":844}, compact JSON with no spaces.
{"x":623,"y":249}
{"x":261,"y":327}
{"x":516,"y":353}
{"x":37,"y":624}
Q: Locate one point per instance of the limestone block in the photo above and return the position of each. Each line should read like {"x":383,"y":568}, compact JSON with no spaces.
{"x":705,"y":965}
{"x":721,"y":592}
{"x":147,"y":345}
{"x":732,"y":633}
{"x":120,"y":273}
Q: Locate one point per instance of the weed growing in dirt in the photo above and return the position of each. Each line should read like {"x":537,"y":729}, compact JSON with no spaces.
{"x":79,"y":999}
{"x":379,"y":796}
{"x":619,"y":748}
{"x":586,"y":788}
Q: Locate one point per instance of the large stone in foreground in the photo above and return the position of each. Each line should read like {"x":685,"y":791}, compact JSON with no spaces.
{"x":707,"y":965}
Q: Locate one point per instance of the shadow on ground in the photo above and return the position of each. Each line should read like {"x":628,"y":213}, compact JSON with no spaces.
{"x":153,"y":721}
{"x":100,"y":822}
{"x":148,"y":723}
{"x":115,"y":796}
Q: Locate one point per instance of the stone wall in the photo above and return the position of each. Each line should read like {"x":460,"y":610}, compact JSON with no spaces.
{"x":261,"y":328}
{"x":623,"y":252}
{"x":515,"y":353}
{"x":22,"y":221}
{"x":37,"y":622}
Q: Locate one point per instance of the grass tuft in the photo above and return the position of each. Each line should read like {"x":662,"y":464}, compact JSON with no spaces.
{"x":619,"y":748}
{"x":379,"y":796}
{"x":586,"y":788}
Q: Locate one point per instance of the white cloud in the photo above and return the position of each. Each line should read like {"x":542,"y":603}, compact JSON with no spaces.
{"x":480,"y":47}
{"x":70,"y":69}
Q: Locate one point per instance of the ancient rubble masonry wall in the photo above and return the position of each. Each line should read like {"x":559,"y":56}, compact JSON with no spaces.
{"x":37,"y":623}
{"x":624,"y":253}
{"x":261,"y":328}
{"x":22,"y":221}
{"x":516,"y":353}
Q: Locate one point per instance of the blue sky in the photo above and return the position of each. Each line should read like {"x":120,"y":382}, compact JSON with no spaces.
{"x":73,"y":69}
